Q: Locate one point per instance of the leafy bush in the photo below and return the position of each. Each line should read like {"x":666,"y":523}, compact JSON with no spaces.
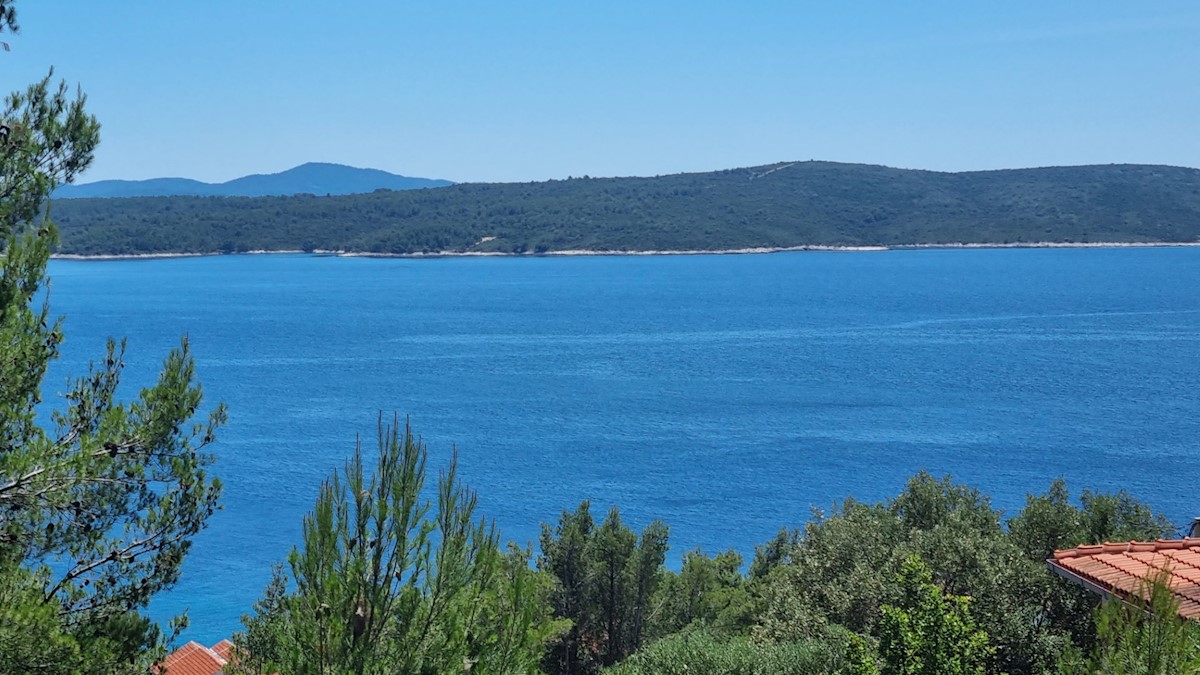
{"x":702,"y":653}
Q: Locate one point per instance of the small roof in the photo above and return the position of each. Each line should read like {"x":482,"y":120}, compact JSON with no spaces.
{"x":223,"y":649}
{"x":1123,"y":569}
{"x":193,"y":659}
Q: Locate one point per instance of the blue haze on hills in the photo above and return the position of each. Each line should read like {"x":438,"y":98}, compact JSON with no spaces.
{"x":314,"y":178}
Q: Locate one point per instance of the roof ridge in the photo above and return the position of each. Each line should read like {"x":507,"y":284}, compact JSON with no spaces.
{"x":1126,"y":546}
{"x":183,"y":660}
{"x":1122,"y":569}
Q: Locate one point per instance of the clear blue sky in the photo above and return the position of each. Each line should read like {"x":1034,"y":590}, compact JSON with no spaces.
{"x":510,"y":91}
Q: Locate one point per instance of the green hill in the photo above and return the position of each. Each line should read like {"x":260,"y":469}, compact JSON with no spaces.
{"x":780,"y":205}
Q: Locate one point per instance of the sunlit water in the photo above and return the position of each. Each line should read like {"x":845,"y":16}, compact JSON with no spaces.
{"x":727,"y":395}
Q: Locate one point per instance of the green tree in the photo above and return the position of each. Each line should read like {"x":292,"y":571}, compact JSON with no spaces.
{"x":1050,"y":521}
{"x":1141,"y":635}
{"x":706,"y":590}
{"x":930,"y":632}
{"x":565,"y":557}
{"x":840,"y":569}
{"x":702,"y":652}
{"x":98,"y":509}
{"x":774,"y":553}
{"x":607,"y":580}
{"x":387,"y":583}
{"x":859,"y":658}
{"x":844,"y":567}
{"x":611,"y":550}
{"x":625,"y":573}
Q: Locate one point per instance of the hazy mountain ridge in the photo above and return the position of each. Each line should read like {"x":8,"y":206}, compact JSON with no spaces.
{"x":778,"y":205}
{"x":313,"y":178}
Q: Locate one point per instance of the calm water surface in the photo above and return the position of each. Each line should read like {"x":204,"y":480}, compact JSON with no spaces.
{"x":727,"y":395}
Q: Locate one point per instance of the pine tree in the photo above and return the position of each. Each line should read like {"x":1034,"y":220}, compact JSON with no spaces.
{"x":607,"y":576}
{"x":97,"y":509}
{"x":387,"y":582}
{"x":1141,"y":634}
{"x":564,"y":556}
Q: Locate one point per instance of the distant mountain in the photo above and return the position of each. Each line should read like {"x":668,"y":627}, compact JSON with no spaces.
{"x":779,"y":205}
{"x":312,"y":178}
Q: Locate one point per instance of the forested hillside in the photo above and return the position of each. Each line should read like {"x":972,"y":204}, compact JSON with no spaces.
{"x":790,"y":204}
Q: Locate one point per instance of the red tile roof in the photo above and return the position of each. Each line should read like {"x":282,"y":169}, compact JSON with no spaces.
{"x":223,"y":649}
{"x":1124,"y":569}
{"x":194,"y":659}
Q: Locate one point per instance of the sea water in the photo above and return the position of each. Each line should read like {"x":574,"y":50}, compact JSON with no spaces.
{"x":728,"y":395}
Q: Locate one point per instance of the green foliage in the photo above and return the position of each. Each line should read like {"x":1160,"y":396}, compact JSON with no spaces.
{"x":386,"y":583}
{"x":1120,"y":517}
{"x":859,"y":658}
{"x":46,"y":139}
{"x":929,"y":632}
{"x":1143,"y":635}
{"x":565,"y":556}
{"x":706,"y":653}
{"x":23,"y":615}
{"x":802,"y":203}
{"x":267,"y":639}
{"x":844,"y":566}
{"x":1049,"y":522}
{"x":839,"y":571}
{"x":899,"y":573}
{"x":8,"y":16}
{"x":774,"y":553}
{"x":96,"y":511}
{"x":607,"y":577}
{"x":706,"y":591}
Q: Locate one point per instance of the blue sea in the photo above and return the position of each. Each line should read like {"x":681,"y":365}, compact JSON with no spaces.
{"x":727,"y":395}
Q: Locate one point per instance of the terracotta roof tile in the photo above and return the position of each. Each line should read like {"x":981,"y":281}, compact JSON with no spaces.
{"x":1192,"y":556}
{"x":223,"y":649}
{"x":192,"y":659}
{"x":1124,"y":568}
{"x":1189,"y":571}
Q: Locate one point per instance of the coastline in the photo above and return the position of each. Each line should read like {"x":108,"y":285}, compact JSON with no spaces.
{"x":100,"y":257}
{"x":590,"y":253}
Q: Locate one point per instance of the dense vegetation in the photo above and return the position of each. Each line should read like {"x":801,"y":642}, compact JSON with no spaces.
{"x":933,"y":581}
{"x":804,"y":203}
